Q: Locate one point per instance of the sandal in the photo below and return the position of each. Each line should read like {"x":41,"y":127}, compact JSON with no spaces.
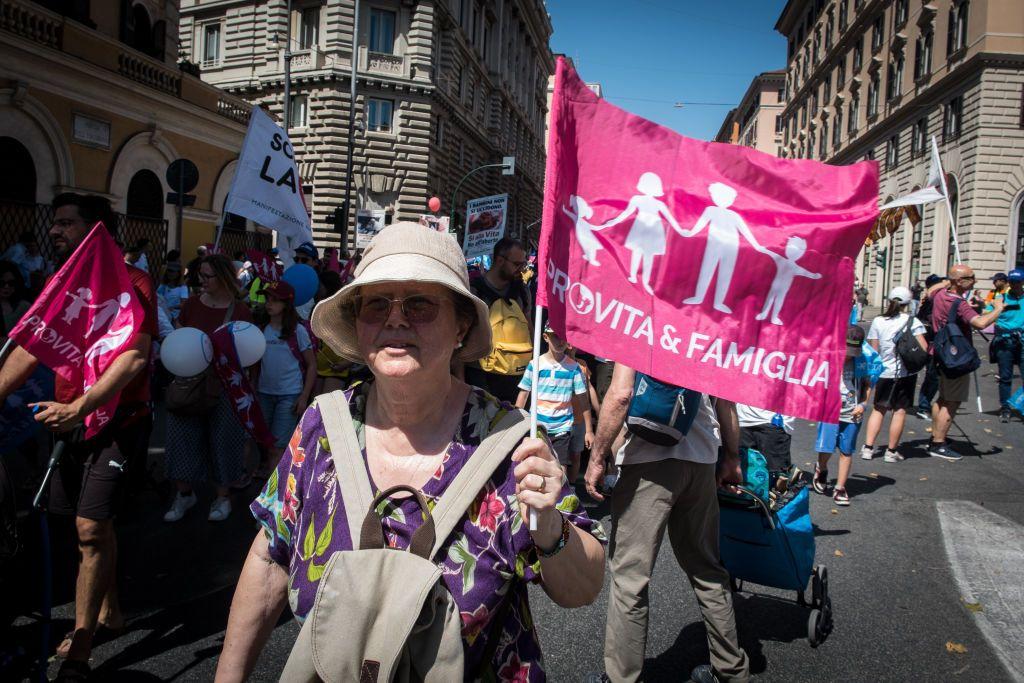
{"x":104,"y":634}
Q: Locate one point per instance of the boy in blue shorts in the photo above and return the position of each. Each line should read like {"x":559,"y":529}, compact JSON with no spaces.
{"x":854,"y":390}
{"x":561,"y":394}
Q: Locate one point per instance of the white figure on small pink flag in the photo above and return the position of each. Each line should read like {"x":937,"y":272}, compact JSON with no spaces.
{"x":786,"y":270}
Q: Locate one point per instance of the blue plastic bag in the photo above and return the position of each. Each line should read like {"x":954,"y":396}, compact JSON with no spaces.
{"x":869,"y":363}
{"x":1017,"y":400}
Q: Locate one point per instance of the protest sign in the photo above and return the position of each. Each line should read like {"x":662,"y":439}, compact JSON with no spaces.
{"x":84,"y":318}
{"x":485,"y":224}
{"x":368,"y":223}
{"x":711,"y":266}
{"x":267,"y":188}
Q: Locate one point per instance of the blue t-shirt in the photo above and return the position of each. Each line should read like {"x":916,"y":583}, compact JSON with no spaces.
{"x":1010,"y":321}
{"x":280,"y":372}
{"x":557,"y":381}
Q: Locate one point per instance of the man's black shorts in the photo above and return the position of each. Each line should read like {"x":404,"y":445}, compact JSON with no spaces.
{"x":90,"y":480}
{"x":772,"y":442}
{"x":895,"y":394}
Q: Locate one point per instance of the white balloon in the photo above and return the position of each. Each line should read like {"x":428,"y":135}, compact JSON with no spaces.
{"x":249,"y":342}
{"x":186,"y":352}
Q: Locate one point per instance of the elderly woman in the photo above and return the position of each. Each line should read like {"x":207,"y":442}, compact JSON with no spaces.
{"x":405,"y":315}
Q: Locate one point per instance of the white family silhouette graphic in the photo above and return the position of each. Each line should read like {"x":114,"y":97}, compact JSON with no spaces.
{"x":107,"y":311}
{"x":647,"y":239}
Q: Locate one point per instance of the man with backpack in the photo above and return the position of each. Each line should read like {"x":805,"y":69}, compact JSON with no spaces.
{"x":665,"y":486}
{"x":953,"y":322}
{"x":510,"y":304}
{"x":930,"y":383}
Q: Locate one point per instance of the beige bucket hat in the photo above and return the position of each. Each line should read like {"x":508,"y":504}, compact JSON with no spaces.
{"x":403,"y":252}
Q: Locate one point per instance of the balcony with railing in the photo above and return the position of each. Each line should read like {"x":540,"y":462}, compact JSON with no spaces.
{"x":31,"y":22}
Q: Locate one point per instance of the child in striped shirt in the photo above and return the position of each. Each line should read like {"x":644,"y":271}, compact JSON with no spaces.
{"x":561,"y":393}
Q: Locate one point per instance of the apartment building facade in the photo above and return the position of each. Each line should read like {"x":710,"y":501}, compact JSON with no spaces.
{"x":93,"y":100}
{"x":876,"y":79}
{"x":442,"y":88}
{"x":757,"y":121}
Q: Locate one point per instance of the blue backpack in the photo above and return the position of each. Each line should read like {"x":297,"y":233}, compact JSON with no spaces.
{"x":954,"y":351}
{"x":661,"y":413}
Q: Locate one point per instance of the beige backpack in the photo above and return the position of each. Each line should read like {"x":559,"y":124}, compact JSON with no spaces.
{"x":383,"y":614}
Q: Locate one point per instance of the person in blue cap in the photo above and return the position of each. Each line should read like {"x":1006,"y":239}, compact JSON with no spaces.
{"x":1008,"y":343}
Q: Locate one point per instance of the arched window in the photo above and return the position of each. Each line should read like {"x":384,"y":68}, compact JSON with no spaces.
{"x":145,"y":196}
{"x":138,"y":31}
{"x":17,"y":172}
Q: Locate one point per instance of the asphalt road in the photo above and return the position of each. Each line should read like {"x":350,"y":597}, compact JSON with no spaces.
{"x":900,"y":613}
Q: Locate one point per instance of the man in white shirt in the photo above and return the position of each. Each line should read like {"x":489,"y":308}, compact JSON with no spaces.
{"x":673,"y":489}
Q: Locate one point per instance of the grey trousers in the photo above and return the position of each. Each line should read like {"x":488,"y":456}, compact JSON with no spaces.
{"x":681,"y":496}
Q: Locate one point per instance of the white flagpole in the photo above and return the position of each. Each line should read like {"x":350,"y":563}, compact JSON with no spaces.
{"x":538,"y":319}
{"x":945,"y":198}
{"x":956,"y":243}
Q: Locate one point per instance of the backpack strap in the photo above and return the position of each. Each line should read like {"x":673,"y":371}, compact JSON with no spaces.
{"x":349,"y":467}
{"x":473,"y":476}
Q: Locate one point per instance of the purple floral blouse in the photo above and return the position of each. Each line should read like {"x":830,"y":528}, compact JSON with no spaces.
{"x":492,"y":555}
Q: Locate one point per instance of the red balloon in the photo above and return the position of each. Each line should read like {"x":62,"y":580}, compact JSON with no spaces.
{"x":434,"y":204}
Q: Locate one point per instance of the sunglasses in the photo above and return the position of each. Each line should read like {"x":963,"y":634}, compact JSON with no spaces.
{"x":418,"y":309}
{"x":8,"y":282}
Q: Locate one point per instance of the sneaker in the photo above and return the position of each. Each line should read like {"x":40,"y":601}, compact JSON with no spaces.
{"x":892,"y":456}
{"x":820,"y":480}
{"x":1004,"y":415}
{"x":840,"y":497}
{"x":596,"y":678}
{"x":180,"y":506}
{"x":923,"y":414}
{"x":941,"y":450}
{"x":220,"y":509}
{"x":867,"y":452}
{"x":704,"y":674}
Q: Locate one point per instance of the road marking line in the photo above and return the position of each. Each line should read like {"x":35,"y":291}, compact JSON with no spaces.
{"x":985,"y":551}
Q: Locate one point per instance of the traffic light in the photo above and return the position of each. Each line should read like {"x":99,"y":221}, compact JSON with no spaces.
{"x":880,"y":257}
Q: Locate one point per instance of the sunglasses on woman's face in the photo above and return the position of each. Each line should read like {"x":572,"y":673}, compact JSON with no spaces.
{"x":8,"y":282}
{"x":418,"y":309}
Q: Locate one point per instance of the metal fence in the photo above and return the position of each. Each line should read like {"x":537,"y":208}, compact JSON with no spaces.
{"x":239,"y":240}
{"x":17,"y":218}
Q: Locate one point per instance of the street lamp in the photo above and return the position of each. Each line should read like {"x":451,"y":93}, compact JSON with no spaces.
{"x":288,"y":67}
{"x":507,"y":166}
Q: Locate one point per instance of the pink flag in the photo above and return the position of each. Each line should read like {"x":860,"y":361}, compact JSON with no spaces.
{"x":710,"y":266}
{"x":235,"y":381}
{"x":266,"y":266}
{"x":84,"y":318}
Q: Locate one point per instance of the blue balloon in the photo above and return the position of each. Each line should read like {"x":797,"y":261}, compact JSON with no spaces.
{"x":303,"y":280}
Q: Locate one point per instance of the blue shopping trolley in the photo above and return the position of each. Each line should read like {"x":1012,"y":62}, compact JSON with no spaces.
{"x":772,"y":544}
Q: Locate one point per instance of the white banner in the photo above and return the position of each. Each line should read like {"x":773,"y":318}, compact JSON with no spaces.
{"x":485,"y":224}
{"x":368,"y":223}
{"x":267,"y":188}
